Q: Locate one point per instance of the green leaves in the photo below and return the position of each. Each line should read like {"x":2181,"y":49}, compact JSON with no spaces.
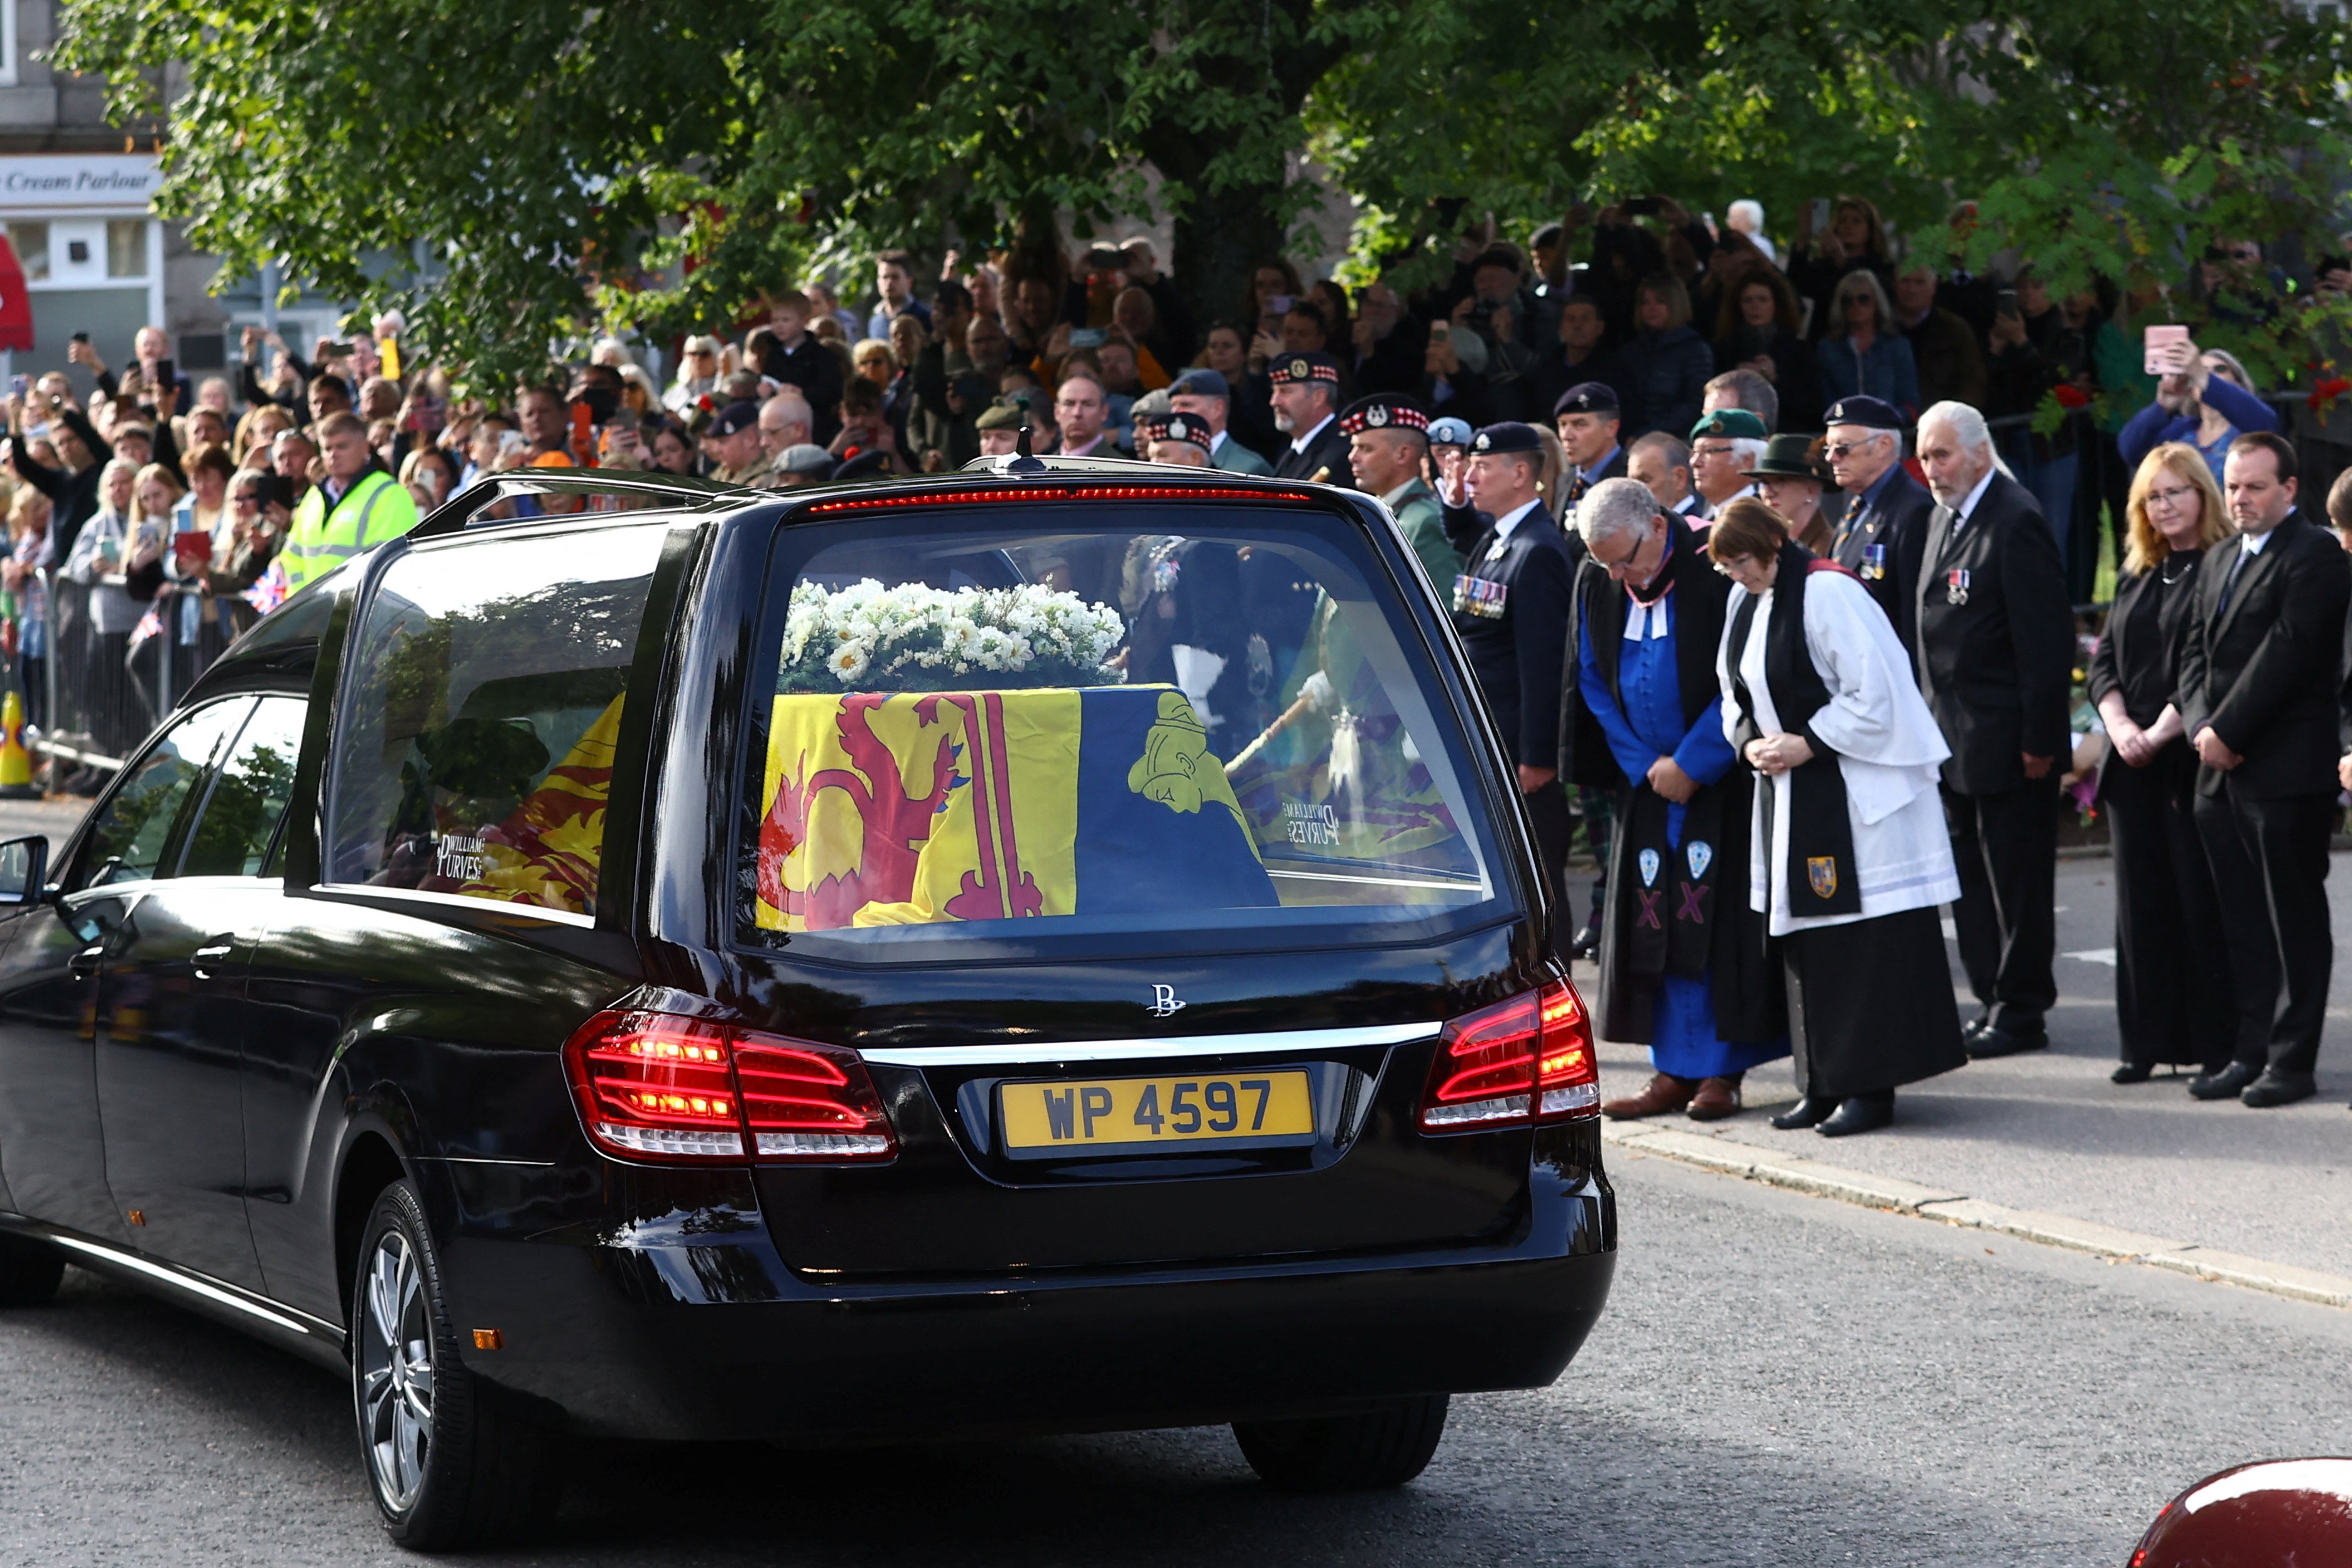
{"x":533,"y":167}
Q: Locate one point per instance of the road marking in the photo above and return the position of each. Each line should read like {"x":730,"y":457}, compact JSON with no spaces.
{"x":2106,"y":956}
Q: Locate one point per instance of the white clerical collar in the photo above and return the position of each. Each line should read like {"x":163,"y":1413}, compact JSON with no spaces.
{"x":1974,"y":496}
{"x":2252,"y":543}
{"x":1510,"y":519}
{"x":1301,"y":444}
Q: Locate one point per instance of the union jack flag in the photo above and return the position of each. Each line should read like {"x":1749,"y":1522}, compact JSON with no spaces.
{"x":270,"y":591}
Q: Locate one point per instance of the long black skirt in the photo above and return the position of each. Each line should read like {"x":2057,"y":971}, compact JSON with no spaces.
{"x":1870,"y":1004}
{"x":2173,"y":989}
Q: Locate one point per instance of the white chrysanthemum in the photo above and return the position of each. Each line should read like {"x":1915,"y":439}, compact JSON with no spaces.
{"x":848,"y":662}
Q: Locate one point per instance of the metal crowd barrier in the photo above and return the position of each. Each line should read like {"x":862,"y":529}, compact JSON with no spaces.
{"x":98,"y":694}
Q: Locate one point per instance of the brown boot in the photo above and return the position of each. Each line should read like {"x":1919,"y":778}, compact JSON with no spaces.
{"x":1665,"y":1093}
{"x":1716,"y":1098}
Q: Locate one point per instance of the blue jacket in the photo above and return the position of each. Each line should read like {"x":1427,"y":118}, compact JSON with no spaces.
{"x":1668,"y":373}
{"x":1887,"y":371}
{"x":2155,"y":425}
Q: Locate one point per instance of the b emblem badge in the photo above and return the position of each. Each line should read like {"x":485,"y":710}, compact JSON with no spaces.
{"x":1163,"y":1001}
{"x":1649,"y":858}
{"x":1821,"y":870}
{"x":1299,"y":370}
{"x":1377,"y":415}
{"x":1700,"y":855}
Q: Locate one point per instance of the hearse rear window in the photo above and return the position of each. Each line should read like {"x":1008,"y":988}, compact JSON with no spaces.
{"x":474,"y":751}
{"x":1087,"y":719}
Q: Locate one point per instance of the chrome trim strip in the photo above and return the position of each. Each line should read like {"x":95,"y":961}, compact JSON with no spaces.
{"x":121,"y":1259}
{"x":361,"y":892}
{"x":1279,"y":1042}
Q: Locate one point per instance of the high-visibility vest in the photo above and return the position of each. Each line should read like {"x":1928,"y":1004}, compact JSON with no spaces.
{"x":374,"y":510}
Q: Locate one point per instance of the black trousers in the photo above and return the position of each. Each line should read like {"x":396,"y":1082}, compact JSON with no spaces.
{"x":2175,"y":1002}
{"x":1599,"y":807}
{"x":1548,"y":810}
{"x":2007,"y":847}
{"x":2270,"y":871}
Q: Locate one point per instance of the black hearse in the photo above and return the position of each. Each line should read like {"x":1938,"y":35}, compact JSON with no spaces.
{"x":1052,"y":947}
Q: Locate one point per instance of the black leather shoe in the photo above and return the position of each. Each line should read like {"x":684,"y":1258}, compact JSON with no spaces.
{"x":2132,"y":1072}
{"x":2279,"y":1089}
{"x":1973,"y":1027}
{"x":2227,"y":1084}
{"x":1810,"y":1111}
{"x":1992,"y":1040}
{"x":1860,"y":1114}
{"x":1588,"y":941}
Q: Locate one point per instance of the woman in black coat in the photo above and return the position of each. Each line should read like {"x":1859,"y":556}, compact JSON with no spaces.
{"x":2172,"y":974}
{"x":1756,"y":329}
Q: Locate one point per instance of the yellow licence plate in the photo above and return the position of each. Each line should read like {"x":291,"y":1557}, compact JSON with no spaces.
{"x":1127,"y":1115}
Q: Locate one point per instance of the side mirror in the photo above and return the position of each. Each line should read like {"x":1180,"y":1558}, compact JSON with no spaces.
{"x":24,"y":869}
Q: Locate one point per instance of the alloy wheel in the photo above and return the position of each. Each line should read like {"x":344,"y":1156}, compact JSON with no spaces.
{"x":395,"y":1381}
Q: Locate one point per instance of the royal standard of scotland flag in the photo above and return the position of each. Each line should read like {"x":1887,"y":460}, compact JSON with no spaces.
{"x":920,"y":807}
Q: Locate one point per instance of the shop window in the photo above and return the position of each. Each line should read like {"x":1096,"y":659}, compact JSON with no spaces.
{"x":31,"y":243}
{"x":126,"y":248}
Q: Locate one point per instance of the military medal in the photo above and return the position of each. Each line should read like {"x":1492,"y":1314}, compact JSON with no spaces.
{"x":1479,"y":596}
{"x":1956,"y":585}
{"x":1874,"y":562}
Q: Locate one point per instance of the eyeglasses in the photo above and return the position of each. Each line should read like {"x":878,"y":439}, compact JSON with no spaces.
{"x":2170,"y":498}
{"x":1837,"y":449}
{"x":1723,"y":451}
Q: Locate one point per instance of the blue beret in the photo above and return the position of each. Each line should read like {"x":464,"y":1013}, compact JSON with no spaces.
{"x":1510,"y":435}
{"x":1587,"y":397}
{"x":1870,"y":413}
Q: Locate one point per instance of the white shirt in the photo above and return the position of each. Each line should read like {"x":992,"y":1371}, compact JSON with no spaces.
{"x":1303,"y":442}
{"x":1216,"y":443}
{"x":1968,"y":504}
{"x":2252,"y":543}
{"x":1889,"y":749}
{"x":1507,"y":521}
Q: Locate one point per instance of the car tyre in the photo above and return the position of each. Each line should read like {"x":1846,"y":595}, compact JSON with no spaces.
{"x":1383,"y":1447}
{"x":29,"y":1271}
{"x":451,"y":1466}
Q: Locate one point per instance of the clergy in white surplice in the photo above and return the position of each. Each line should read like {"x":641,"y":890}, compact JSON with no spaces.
{"x":1849,"y":853}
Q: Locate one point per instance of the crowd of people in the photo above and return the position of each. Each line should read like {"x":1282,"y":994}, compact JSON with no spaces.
{"x":1770,"y":578}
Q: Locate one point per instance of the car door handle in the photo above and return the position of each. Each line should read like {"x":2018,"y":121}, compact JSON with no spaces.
{"x":84,"y":964}
{"x":214,"y":951}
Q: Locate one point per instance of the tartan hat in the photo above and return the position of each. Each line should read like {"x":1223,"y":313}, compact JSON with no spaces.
{"x":1383,"y":411}
{"x":1290,"y":368}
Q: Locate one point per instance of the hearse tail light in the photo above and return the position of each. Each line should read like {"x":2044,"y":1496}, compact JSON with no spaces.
{"x":1518,"y":1062}
{"x":804,"y":1101}
{"x":657,"y":1087}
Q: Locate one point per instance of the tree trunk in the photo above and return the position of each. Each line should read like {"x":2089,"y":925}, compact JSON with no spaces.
{"x":1221,"y":238}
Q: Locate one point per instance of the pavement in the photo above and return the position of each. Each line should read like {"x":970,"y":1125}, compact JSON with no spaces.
{"x":2046,"y":1133}
{"x":1778,"y":1381}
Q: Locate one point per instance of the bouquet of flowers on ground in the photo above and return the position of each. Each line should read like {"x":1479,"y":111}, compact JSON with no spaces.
{"x":915,"y":638}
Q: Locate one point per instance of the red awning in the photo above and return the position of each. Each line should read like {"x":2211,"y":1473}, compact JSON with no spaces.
{"x":16,"y":305}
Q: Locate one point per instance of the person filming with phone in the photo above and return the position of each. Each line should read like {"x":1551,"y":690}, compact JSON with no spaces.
{"x":2203,"y":399}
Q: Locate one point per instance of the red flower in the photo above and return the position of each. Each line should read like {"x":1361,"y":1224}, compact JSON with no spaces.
{"x":2327,"y":392}
{"x":2072,"y":396}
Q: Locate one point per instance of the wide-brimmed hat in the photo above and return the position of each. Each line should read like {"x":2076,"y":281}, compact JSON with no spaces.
{"x":1786,"y":457}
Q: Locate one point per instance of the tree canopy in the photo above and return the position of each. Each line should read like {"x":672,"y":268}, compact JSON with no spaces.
{"x":559,"y":164}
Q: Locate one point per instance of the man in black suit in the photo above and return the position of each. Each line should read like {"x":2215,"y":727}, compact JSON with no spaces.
{"x":1305,"y":389}
{"x":2261,"y":673}
{"x":1588,"y":419}
{"x":1996,"y":635}
{"x":1884,"y":528}
{"x":1511,"y":606}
